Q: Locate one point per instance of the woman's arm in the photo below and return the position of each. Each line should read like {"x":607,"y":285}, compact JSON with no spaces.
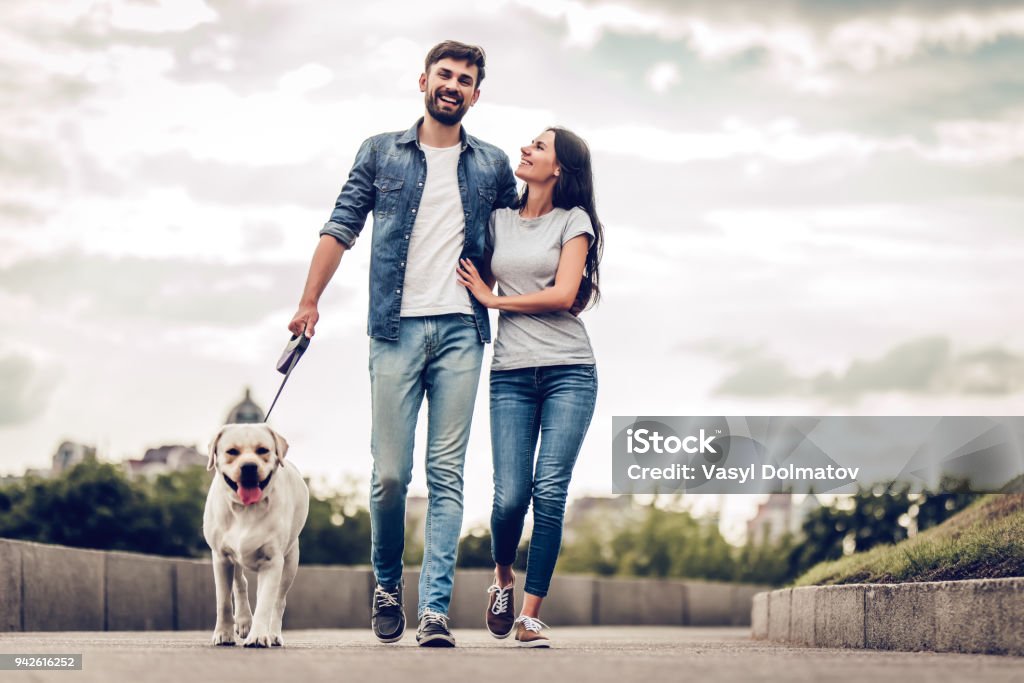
{"x":558,"y":297}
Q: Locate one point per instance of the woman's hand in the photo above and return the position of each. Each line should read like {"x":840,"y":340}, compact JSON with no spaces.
{"x":468,"y":277}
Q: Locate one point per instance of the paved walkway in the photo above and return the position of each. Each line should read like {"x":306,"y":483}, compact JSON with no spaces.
{"x":592,"y":654}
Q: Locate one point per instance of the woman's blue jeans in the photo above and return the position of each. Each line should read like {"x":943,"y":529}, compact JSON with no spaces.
{"x":552,"y":405}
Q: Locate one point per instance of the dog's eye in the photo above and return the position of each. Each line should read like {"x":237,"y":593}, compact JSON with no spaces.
{"x":262,"y":451}
{"x":234,"y":451}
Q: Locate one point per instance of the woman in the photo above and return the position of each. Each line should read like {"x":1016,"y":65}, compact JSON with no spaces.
{"x":545,"y":258}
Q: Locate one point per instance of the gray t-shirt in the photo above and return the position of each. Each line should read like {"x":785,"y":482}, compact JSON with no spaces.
{"x":526,"y":254}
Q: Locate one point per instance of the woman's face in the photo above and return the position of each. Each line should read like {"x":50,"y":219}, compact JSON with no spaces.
{"x":537,"y":162}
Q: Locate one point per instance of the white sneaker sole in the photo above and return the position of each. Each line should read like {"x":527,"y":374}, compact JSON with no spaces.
{"x":498,"y":635}
{"x":533,"y":643}
{"x":436,"y":641}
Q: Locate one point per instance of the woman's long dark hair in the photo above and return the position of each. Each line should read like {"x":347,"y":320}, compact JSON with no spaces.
{"x":575,"y":187}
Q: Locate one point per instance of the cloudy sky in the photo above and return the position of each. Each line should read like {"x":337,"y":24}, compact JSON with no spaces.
{"x":811,"y":207}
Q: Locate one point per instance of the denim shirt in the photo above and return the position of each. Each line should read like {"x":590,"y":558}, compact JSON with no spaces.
{"x":387,"y":177}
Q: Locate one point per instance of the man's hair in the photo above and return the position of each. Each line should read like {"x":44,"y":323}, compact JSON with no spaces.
{"x":453,"y":49}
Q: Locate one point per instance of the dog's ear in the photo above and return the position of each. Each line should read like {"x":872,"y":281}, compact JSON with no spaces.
{"x":212,"y":462}
{"x":280,"y":444}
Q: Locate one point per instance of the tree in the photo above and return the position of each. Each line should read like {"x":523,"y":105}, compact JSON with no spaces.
{"x":663,"y":543}
{"x":475,"y":551}
{"x":337,"y":532}
{"x":94,"y":505}
{"x":178,"y":499}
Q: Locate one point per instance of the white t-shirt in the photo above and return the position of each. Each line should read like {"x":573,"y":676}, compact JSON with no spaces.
{"x":438,"y":234}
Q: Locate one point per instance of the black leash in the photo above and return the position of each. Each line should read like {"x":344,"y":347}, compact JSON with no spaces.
{"x":297,"y":345}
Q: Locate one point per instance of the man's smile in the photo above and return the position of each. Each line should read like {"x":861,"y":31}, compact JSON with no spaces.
{"x":449,"y":99}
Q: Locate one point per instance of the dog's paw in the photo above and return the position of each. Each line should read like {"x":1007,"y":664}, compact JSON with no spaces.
{"x":242,"y":627}
{"x":276,"y":640}
{"x":259,"y":636}
{"x":223,"y":636}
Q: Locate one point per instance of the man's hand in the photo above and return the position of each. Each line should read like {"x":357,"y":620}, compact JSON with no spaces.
{"x":305,"y":320}
{"x":325,"y":261}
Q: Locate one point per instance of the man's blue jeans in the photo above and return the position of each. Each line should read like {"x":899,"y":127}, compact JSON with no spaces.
{"x":554,"y":404}
{"x":438,"y":357}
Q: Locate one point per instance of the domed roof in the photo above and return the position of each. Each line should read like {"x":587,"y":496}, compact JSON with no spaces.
{"x":247,"y":411}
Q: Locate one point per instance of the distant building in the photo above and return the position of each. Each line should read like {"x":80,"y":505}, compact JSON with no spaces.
{"x":67,"y":456}
{"x":247,"y":411}
{"x":156,"y":460}
{"x":778,"y":516}
{"x":170,"y":458}
{"x":164,"y":459}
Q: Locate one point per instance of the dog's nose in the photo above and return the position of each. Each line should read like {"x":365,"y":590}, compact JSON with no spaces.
{"x":250,"y":473}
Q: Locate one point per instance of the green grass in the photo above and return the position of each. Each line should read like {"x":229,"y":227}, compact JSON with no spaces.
{"x":984,"y":541}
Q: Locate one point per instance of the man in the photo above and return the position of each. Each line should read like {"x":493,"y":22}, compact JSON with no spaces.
{"x":432,"y":189}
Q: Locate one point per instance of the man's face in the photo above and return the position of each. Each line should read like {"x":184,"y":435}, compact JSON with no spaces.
{"x":450,"y":90}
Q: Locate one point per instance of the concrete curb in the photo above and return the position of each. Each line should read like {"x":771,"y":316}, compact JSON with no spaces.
{"x":978,"y":616}
{"x":55,"y":588}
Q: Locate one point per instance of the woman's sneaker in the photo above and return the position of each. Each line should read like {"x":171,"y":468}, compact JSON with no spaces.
{"x":433,"y":631}
{"x":528,"y":632}
{"x":501,"y":609}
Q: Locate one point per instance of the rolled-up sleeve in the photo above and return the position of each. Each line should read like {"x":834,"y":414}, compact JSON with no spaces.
{"x":356,"y":198}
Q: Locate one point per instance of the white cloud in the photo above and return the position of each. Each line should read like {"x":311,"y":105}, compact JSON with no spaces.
{"x":157,"y":16}
{"x":150,"y":16}
{"x":586,"y":24}
{"x":167,"y":223}
{"x":662,"y":76}
{"x":780,"y":140}
{"x":978,"y":142}
{"x":891,"y":234}
{"x":867,"y":44}
{"x":798,"y":52}
{"x":29,"y":378}
{"x":785,"y":141}
{"x":304,"y":79}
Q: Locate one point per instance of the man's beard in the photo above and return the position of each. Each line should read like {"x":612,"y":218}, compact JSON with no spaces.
{"x":447,"y":118}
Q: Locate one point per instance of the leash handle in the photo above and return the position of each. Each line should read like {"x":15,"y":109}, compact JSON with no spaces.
{"x":293,"y":351}
{"x":296,"y":346}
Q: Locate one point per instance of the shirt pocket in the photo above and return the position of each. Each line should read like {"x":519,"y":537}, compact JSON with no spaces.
{"x":388,"y":192}
{"x":486,"y":195}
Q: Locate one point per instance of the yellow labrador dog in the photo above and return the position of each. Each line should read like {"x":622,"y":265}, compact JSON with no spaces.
{"x":256,"y":507}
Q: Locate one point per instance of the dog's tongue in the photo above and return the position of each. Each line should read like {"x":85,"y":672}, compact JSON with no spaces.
{"x":248,"y":496}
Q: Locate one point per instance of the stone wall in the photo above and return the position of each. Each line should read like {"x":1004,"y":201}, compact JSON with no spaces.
{"x":56,"y":588}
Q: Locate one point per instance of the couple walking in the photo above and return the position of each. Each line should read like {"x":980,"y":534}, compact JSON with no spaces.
{"x":448,"y":224}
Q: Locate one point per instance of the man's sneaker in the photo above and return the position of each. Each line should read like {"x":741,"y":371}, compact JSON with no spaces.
{"x":528,"y":632}
{"x":501,"y":609}
{"x":387,"y":616}
{"x":433,"y":631}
